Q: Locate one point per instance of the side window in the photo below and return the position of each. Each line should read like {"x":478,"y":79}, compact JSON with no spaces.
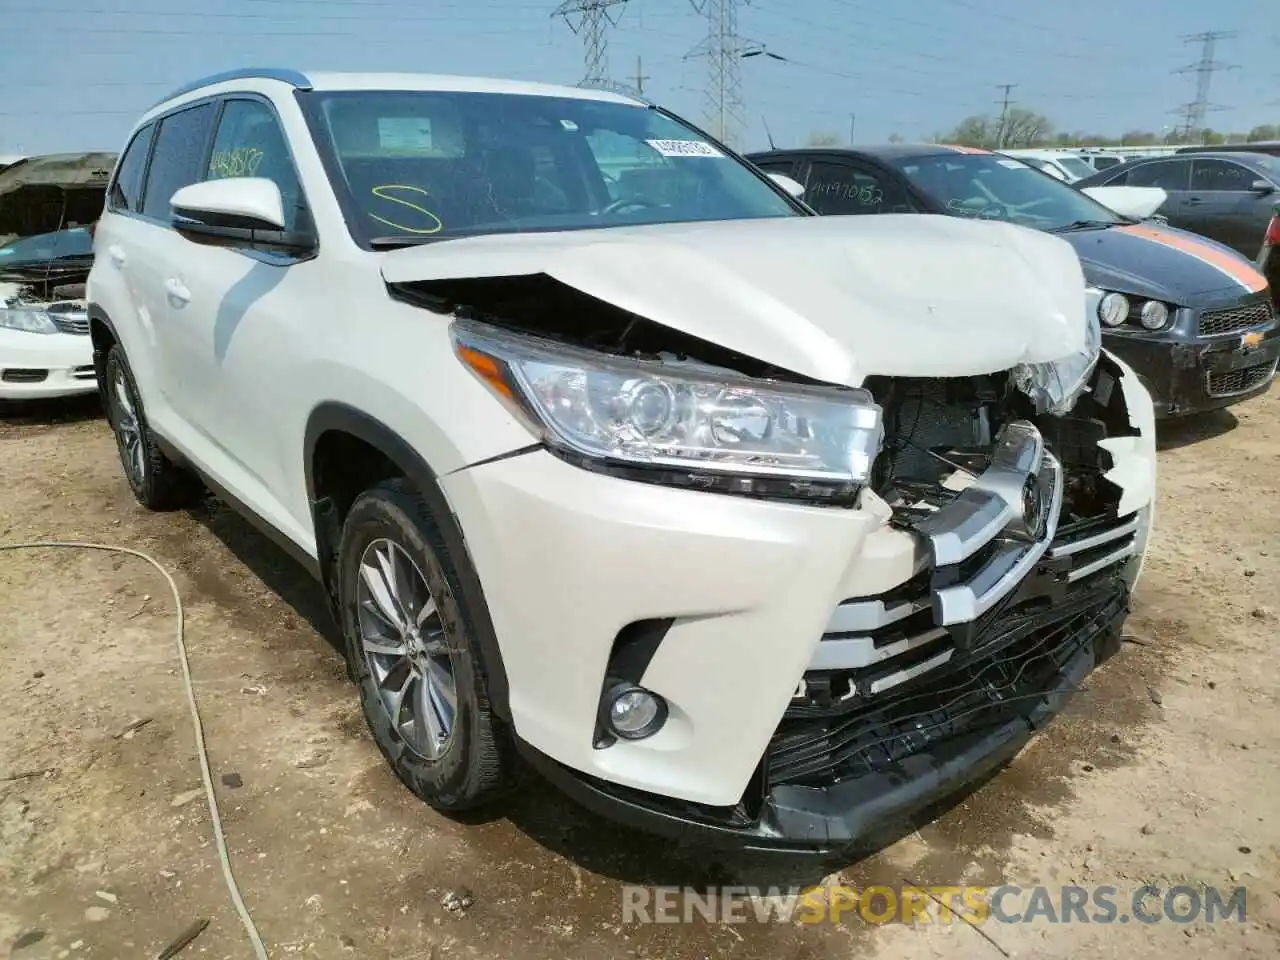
{"x":1165,"y":174}
{"x":126,"y":187}
{"x":178,"y":158}
{"x":837,"y":188}
{"x":250,"y":143}
{"x":784,"y":167}
{"x":1221,"y":175}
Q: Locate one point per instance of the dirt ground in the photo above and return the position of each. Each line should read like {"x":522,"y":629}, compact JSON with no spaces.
{"x":1163,"y":770}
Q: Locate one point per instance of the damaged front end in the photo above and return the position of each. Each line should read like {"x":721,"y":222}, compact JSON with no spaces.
{"x":999,"y":531}
{"x":1025,"y":550}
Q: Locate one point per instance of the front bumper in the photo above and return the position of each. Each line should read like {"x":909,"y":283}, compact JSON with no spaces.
{"x":1187,"y":373}
{"x":814,"y":819}
{"x":36,"y":365}
{"x":770,"y":671}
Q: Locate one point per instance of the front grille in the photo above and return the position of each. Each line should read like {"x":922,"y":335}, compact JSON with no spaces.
{"x":1240,"y":381}
{"x":77,"y":323}
{"x":18,"y":375}
{"x":1028,"y":652}
{"x":1216,"y":323}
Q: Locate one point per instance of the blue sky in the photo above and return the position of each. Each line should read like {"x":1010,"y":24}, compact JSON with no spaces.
{"x":76,"y":73}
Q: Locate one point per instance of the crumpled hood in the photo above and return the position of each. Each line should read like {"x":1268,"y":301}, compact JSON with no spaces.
{"x":1162,"y":262}
{"x":833,"y":298}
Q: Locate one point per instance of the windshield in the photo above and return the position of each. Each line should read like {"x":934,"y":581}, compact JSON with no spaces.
{"x":422,"y":166}
{"x":998,"y":188}
{"x":1076,"y":167}
{"x":47,"y":246}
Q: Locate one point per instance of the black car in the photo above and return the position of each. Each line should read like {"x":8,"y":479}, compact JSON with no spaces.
{"x":1193,"y":318}
{"x":1263,"y":146}
{"x":1226,"y":196}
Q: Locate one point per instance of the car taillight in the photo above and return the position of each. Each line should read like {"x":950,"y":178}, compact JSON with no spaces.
{"x":1273,"y":232}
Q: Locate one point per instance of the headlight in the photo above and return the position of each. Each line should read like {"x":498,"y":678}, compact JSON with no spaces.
{"x":1154,"y":315}
{"x":1054,"y":387}
{"x":32,"y":321}
{"x":695,"y":425}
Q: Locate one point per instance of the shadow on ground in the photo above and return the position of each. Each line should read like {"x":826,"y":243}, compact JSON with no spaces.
{"x":35,"y":413}
{"x":272,"y":565}
{"x":1183,"y":431}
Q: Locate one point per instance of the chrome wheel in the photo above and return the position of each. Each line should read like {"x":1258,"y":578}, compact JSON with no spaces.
{"x":403,"y":640}
{"x":128,"y":429}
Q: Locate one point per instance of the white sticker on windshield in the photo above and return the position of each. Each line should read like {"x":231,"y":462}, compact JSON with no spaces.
{"x":684,"y":148}
{"x":405,"y":133}
{"x":1013,"y":164}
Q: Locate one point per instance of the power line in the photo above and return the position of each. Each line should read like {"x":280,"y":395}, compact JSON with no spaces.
{"x":1194,"y":113}
{"x":591,"y":19}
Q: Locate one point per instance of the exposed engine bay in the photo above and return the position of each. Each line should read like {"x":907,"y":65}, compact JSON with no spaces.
{"x":940,"y":431}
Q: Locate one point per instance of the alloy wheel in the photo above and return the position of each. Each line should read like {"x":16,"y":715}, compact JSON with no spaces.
{"x":403,"y":639}
{"x":128,"y":429}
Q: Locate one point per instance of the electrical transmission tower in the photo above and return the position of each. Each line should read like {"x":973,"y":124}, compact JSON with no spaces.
{"x":723,"y":48}
{"x":1194,"y":113}
{"x":592,"y":20}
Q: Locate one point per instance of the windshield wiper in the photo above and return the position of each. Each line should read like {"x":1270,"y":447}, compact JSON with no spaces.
{"x":1085,"y":225}
{"x":395,"y":243}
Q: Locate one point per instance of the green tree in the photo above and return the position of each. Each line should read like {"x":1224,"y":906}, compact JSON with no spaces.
{"x":973,"y":131}
{"x":822,"y":138}
{"x":1024,"y":128}
{"x":1267,"y":131}
{"x":1138,"y":138}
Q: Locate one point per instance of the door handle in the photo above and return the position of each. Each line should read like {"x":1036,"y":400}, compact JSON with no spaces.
{"x":1194,"y":201}
{"x":177,"y":290}
{"x":116,"y":253}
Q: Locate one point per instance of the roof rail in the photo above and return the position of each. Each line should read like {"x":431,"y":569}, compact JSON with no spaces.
{"x":284,"y":75}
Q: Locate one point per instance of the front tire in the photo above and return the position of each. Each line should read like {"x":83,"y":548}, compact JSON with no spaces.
{"x":156,"y":481}
{"x":413,"y":655}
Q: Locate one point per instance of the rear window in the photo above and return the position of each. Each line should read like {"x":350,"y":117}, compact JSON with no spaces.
{"x":126,"y":188}
{"x":178,"y":158}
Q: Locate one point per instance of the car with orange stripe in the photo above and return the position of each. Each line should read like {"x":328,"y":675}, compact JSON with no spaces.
{"x":1194,"y":318}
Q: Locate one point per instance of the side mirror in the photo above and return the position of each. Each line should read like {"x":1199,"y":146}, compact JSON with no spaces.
{"x":1262,"y":187}
{"x":238,"y":210}
{"x":794,"y":187}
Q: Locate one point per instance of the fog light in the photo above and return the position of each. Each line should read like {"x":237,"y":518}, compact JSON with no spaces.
{"x":634,"y":713}
{"x":1113,"y":309}
{"x":1154,"y":315}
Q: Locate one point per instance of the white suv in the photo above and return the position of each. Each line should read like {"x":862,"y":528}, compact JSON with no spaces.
{"x":733,"y":520}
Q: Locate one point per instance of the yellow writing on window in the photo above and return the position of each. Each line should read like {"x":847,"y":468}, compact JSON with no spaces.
{"x":241,"y":162}
{"x":388,"y":192}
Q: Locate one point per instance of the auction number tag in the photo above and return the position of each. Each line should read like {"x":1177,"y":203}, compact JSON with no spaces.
{"x":684,"y":148}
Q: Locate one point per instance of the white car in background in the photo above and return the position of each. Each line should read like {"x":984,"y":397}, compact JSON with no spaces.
{"x":1068,"y":167}
{"x":45,"y":349}
{"x":728,"y":517}
{"x":46,"y":249}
